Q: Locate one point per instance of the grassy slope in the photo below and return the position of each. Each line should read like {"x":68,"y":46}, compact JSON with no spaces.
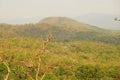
{"x":65,"y":60}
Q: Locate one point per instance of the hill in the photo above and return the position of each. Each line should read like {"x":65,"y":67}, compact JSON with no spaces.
{"x":67,"y":23}
{"x":62,"y":28}
{"x":78,"y":51}
{"x":106,"y":21}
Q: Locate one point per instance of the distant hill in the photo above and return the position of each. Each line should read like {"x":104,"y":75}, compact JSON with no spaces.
{"x":106,"y":21}
{"x":20,"y":20}
{"x":62,"y":28}
{"x":68,"y":23}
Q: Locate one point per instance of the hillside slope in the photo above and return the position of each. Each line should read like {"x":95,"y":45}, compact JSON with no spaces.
{"x":76,"y":60}
{"x":62,"y":28}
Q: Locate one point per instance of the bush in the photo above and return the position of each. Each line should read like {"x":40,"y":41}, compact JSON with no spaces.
{"x":50,"y":76}
{"x":60,"y":71}
{"x":3,"y":71}
{"x":19,"y":73}
{"x":86,"y":72}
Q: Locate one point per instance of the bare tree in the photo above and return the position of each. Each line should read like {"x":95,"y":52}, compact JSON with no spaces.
{"x":44,"y":45}
{"x":8,"y":68}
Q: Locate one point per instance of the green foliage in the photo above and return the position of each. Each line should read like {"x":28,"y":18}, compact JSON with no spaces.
{"x":74,"y":60}
{"x":50,"y":76}
{"x":3,"y":71}
{"x":93,"y":72}
{"x":60,"y":71}
{"x":86,"y":72}
{"x":19,"y":72}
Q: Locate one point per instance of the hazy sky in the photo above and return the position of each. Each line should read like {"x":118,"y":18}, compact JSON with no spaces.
{"x":11,"y":9}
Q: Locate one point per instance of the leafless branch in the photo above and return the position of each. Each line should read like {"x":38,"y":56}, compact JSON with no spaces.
{"x":8,"y":69}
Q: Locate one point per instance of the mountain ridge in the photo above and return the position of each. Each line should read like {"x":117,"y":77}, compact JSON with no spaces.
{"x":62,"y":28}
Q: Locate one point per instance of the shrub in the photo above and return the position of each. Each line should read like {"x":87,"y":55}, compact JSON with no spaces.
{"x":86,"y":72}
{"x":3,"y":71}
{"x":60,"y":71}
{"x":49,"y":76}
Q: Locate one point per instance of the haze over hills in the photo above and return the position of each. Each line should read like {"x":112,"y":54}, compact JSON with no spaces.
{"x":21,"y":20}
{"x":106,"y":21}
{"x":59,"y":40}
{"x":62,"y":28}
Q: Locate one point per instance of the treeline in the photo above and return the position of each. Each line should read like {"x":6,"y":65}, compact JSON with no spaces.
{"x":60,"y":33}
